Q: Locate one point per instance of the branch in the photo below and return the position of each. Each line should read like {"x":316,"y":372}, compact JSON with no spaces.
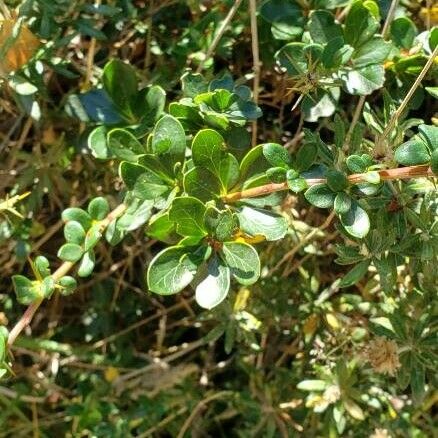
{"x":385,"y":175}
{"x":256,"y":62}
{"x":401,"y":108}
{"x":219,"y":34}
{"x":64,"y":269}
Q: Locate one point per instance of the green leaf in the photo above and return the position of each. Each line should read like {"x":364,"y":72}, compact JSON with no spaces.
{"x":360,"y":25}
{"x":434,"y":161}
{"x":74,"y":232}
{"x":403,"y":32}
{"x":356,"y":221}
{"x":208,"y":151}
{"x":172,"y":270}
{"x":342,"y":203}
{"x":363,"y":81}
{"x":229,"y":171}
{"x":322,"y":27}
{"x":413,"y":152}
{"x":149,"y":105}
{"x":97,"y":142}
{"x":68,"y":284}
{"x":70,"y":252}
{"x":221,"y":224}
{"x":253,"y":163}
{"x":374,"y":51}
{"x":255,"y":222}
{"x":162,"y":228}
{"x":292,"y":58}
{"x":98,"y":208}
{"x":355,"y":274}
{"x":286,"y":18}
{"x":169,"y":139}
{"x":433,"y":91}
{"x":27,"y":291}
{"x":120,"y":82}
{"x":137,"y":214}
{"x":42,"y":266}
{"x":297,"y":185}
{"x":124,"y":145}
{"x":429,"y":134}
{"x":320,"y":196}
{"x":276,"y":174}
{"x":213,"y":289}
{"x":92,"y":237}
{"x":207,"y":147}
{"x":193,"y":84}
{"x":144,"y":183}
{"x":356,"y":164}
{"x":243,"y":261}
{"x":188,"y":215}
{"x":418,"y":382}
{"x":336,"y":180}
{"x":47,"y":286}
{"x":201,"y":183}
{"x":336,"y":53}
{"x":320,"y":103}
{"x":276,"y":155}
{"x":312,"y":385}
{"x":306,"y":156}
{"x":78,"y":215}
{"x":87,"y":264}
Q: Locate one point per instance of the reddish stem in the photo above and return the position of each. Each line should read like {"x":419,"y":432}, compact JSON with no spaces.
{"x":385,"y":175}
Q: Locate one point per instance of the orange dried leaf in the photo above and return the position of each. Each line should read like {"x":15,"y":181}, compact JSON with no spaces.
{"x":20,"y":48}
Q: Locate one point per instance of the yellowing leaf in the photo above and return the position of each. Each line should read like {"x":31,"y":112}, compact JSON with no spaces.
{"x":354,"y":409}
{"x":19,"y":48}
{"x":332,"y":321}
{"x":430,"y":14}
{"x":241,"y":299}
{"x":310,"y":325}
{"x":244,"y":238}
{"x":111,"y":374}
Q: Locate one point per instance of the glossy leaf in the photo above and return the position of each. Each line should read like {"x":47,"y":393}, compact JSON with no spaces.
{"x":356,"y":221}
{"x":243,"y":261}
{"x":213,"y":288}
{"x":188,"y":214}
{"x":412,"y":152}
{"x":70,"y":252}
{"x":320,"y":196}
{"x":172,"y":270}
{"x":255,"y":222}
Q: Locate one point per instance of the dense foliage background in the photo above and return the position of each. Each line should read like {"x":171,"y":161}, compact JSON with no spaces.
{"x":338,"y":337}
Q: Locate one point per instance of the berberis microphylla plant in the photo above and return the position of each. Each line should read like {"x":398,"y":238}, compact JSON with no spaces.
{"x":197,"y":181}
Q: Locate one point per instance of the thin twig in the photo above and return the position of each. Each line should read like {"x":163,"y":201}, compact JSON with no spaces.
{"x":198,"y":409}
{"x":356,"y":115}
{"x":385,"y":175}
{"x":90,"y":56}
{"x":406,"y":100}
{"x":303,"y":242}
{"x":219,"y":34}
{"x":389,"y":17}
{"x":16,"y":396}
{"x":256,"y":62}
{"x":26,"y":319}
{"x":147,"y":57}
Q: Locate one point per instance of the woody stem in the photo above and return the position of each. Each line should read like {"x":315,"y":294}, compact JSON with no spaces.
{"x":385,"y":175}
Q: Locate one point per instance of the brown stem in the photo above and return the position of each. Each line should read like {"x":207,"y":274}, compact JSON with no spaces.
{"x":385,"y":175}
{"x":64,"y":269}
